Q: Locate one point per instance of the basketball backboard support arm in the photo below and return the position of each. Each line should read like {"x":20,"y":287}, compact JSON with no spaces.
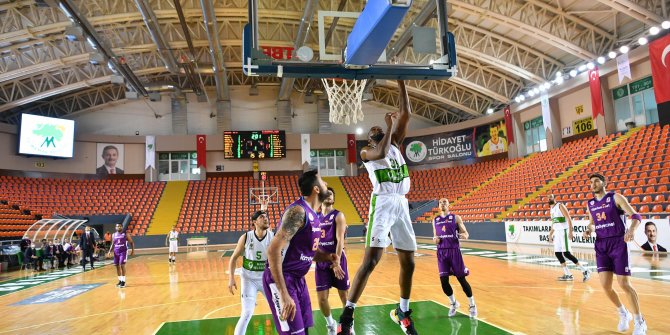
{"x":255,"y":63}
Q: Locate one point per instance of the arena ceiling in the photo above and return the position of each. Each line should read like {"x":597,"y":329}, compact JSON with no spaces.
{"x":504,"y":48}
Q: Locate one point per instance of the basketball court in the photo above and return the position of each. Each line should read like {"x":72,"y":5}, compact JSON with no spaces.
{"x":349,"y":56}
{"x":516,"y":291}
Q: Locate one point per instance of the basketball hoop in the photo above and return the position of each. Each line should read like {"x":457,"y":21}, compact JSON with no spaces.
{"x":345,"y":100}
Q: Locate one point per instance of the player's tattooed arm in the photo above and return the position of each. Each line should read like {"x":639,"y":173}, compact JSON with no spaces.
{"x":292,"y":220}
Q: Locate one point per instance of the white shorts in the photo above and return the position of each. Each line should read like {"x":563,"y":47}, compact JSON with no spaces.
{"x":390,"y":214}
{"x":174,"y":246}
{"x":562,"y":243}
{"x":249,"y":288}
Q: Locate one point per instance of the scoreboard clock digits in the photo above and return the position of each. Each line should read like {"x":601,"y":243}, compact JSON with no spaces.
{"x":260,"y":144}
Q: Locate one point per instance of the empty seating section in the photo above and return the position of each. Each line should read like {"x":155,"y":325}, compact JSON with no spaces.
{"x":222,"y":204}
{"x":13,"y":221}
{"x":84,"y":197}
{"x":636,"y":168}
{"x":452,"y":183}
{"x":488,"y":202}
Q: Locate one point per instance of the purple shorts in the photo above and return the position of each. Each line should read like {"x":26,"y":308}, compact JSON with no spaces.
{"x":450,"y":263}
{"x":297,"y":289}
{"x":612,"y":255}
{"x":120,"y":257}
{"x":325,"y":277}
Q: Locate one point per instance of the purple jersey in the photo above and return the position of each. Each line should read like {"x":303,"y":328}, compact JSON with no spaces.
{"x":119,"y":240}
{"x":609,"y":220}
{"x":328,"y":240}
{"x":446,"y":229}
{"x":297,"y":258}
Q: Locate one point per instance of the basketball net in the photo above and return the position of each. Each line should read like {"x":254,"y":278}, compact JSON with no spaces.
{"x":345,"y":98}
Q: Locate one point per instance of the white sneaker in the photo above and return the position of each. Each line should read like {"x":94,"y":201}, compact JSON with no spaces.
{"x":640,"y":328}
{"x":587,"y":275}
{"x":452,"y":309}
{"x":473,"y":311}
{"x":624,"y":320}
{"x":331,"y":329}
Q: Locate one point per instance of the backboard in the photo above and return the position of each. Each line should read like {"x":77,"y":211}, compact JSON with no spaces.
{"x":372,"y":39}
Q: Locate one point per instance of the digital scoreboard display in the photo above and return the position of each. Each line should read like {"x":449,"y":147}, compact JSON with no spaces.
{"x":260,"y":144}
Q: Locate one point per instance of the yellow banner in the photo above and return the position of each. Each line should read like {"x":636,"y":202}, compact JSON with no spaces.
{"x":582,"y":125}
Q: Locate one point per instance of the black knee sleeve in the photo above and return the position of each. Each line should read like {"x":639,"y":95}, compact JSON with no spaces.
{"x":560,"y":257}
{"x":571,"y":257}
{"x":466,"y":286}
{"x":446,"y":288}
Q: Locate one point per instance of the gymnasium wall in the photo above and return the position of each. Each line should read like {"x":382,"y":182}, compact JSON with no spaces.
{"x":248,"y":113}
{"x":480,"y":231}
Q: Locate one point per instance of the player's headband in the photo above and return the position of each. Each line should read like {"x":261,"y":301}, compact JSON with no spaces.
{"x":258,"y":214}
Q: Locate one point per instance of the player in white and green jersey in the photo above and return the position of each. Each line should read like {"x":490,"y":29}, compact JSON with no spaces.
{"x":253,"y":247}
{"x":561,"y":235}
{"x":389,"y":214}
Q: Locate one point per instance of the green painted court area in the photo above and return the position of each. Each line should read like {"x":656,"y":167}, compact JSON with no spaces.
{"x":429,"y":318}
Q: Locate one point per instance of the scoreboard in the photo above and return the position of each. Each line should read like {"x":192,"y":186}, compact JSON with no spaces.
{"x":259,"y":144}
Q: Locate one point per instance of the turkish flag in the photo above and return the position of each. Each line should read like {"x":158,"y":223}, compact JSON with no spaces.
{"x":201,"y":145}
{"x":351,"y":148}
{"x":596,"y":94}
{"x":508,"y":125}
{"x":659,"y":54}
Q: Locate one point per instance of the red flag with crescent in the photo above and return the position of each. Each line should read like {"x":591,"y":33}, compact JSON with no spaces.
{"x":508,"y":124}
{"x":201,"y":145}
{"x":351,"y":148}
{"x":596,"y":93}
{"x":659,"y":55}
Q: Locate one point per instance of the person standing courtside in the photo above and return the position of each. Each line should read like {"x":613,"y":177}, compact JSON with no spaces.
{"x":87,"y":246}
{"x":607,"y":215}
{"x":173,"y":239}
{"x":561,"y":236}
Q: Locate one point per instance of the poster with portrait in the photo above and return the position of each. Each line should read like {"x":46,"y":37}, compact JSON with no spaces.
{"x":491,"y":139}
{"x":109,"y":159}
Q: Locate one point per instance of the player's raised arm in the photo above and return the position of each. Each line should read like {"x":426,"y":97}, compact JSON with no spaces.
{"x":404,"y":112}
{"x":292,"y":220}
{"x":381,"y":149}
{"x":636,"y":218}
{"x":232,"y":263}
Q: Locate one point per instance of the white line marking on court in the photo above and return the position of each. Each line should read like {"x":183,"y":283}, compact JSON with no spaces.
{"x":218,"y":309}
{"x":480,"y":253}
{"x":159,"y":328}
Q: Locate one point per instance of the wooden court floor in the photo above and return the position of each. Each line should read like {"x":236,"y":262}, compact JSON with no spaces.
{"x":515,"y":289}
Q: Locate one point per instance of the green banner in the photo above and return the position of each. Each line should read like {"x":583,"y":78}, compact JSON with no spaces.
{"x":534,"y":123}
{"x":641,"y":85}
{"x":620,"y":92}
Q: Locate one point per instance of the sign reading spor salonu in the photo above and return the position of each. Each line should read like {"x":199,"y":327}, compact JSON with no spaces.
{"x":438,"y":148}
